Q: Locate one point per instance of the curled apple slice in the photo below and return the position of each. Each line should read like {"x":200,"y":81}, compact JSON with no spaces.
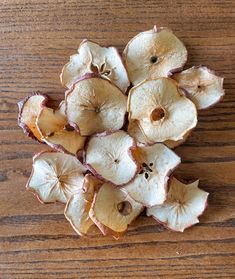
{"x":135,"y":131}
{"x":112,"y":210}
{"x":94,"y":105}
{"x":154,"y":53}
{"x":184,"y":203}
{"x":79,"y":204}
{"x":202,"y":86}
{"x":29,"y":109}
{"x":110,"y":157}
{"x":55,"y":176}
{"x":149,"y":187}
{"x":162,"y":111}
{"x":92,"y":58}
{"x":55,"y":131}
{"x":173,"y":144}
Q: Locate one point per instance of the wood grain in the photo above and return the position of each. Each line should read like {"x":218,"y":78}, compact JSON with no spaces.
{"x":36,"y":39}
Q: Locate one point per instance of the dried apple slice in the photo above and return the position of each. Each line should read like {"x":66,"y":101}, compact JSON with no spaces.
{"x":154,"y":53}
{"x":135,"y":131}
{"x":173,"y":144}
{"x":149,"y":187}
{"x":55,"y":131}
{"x":94,"y":105}
{"x":55,"y":176}
{"x":184,"y":203}
{"x":163,"y":112}
{"x":91,"y":57}
{"x":29,"y":109}
{"x":113,"y":210}
{"x":110,"y":157}
{"x":202,"y":86}
{"x":79,"y":204}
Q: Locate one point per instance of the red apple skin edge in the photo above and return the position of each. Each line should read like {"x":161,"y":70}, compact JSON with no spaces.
{"x":60,"y":148}
{"x":84,"y":189}
{"x":71,"y":222}
{"x":21,"y":104}
{"x":104,"y":230}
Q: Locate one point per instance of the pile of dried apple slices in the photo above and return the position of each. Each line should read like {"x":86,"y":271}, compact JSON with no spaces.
{"x":107,"y":167}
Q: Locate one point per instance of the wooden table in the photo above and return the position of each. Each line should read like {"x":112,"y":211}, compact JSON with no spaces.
{"x":36,"y":39}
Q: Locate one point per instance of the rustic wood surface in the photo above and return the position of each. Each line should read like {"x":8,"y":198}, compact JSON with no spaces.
{"x":36,"y":39}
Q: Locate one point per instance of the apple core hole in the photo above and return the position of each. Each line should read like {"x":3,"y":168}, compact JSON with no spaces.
{"x":154,"y":59}
{"x":124,"y":208}
{"x":94,"y":69}
{"x":157,"y":114}
{"x":68,"y":127}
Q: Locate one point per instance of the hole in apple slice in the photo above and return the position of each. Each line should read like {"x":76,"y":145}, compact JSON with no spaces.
{"x":124,"y":208}
{"x":157,"y":114}
{"x":154,"y":59}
